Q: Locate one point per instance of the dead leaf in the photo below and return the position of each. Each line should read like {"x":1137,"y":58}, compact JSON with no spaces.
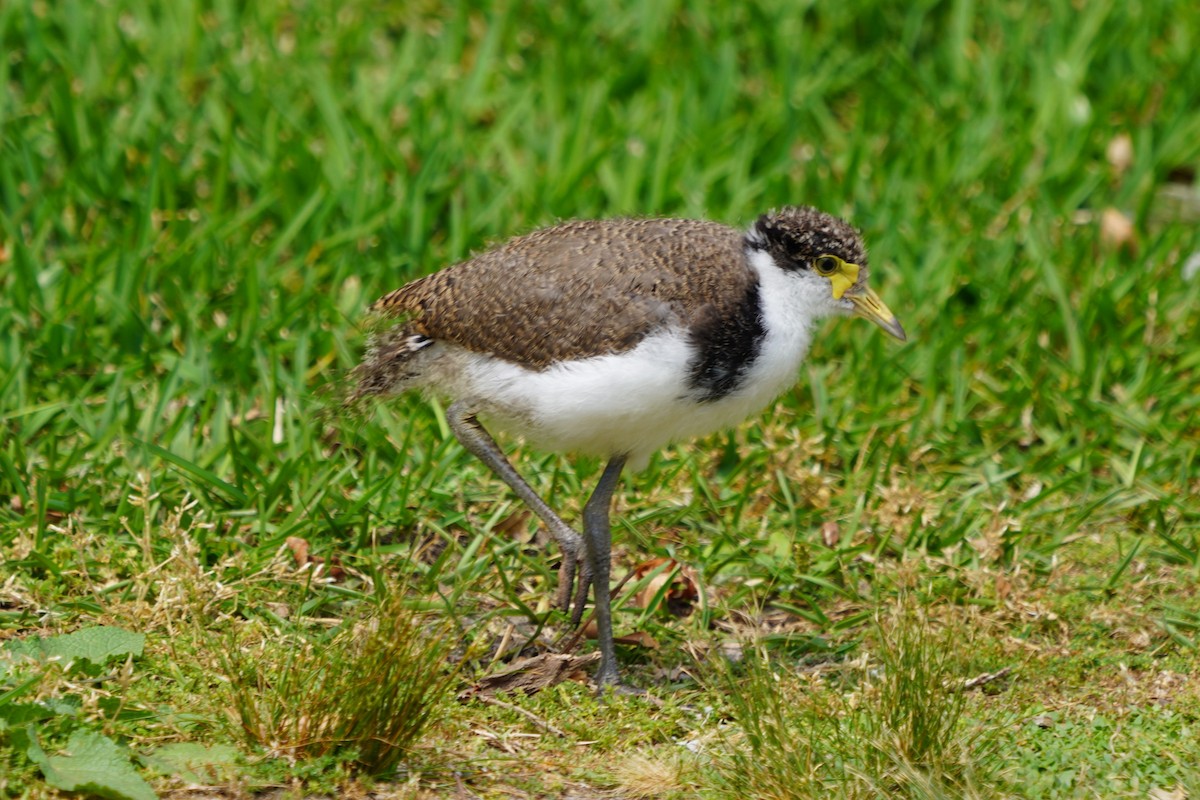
{"x":1178,"y":793}
{"x":831,"y":534}
{"x":299,"y":548}
{"x":1120,"y":153}
{"x":638,"y":639}
{"x":533,"y":675}
{"x":681,"y":582}
{"x":1003,"y":587}
{"x":733,"y":651}
{"x":280,"y":610}
{"x":646,"y":596}
{"x":982,"y":680}
{"x":1116,"y":230}
{"x":514,"y":525}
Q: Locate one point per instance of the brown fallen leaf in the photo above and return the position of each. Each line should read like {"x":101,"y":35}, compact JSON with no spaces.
{"x":981,"y":680}
{"x":299,"y":547}
{"x":831,"y":534}
{"x":682,"y":585}
{"x":638,"y":639}
{"x":531,"y":675}
{"x":1003,"y":587}
{"x":513,"y":526}
{"x":646,"y":596}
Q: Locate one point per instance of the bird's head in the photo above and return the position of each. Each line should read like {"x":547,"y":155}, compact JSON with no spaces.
{"x":827,"y":254}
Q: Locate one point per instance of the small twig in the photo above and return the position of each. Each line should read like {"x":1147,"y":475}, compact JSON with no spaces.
{"x":534,"y":718}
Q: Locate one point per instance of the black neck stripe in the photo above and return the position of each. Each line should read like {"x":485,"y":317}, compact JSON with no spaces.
{"x":726,"y":347}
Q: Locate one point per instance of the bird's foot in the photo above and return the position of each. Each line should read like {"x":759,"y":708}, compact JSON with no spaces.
{"x":608,"y":681}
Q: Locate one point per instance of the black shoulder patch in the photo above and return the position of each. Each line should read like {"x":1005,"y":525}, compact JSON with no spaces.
{"x":726,"y":346}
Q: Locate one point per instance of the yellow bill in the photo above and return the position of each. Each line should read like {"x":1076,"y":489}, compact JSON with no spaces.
{"x":868,"y":306}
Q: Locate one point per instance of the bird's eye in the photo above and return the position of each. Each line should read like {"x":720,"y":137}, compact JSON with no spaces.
{"x":827,"y":265}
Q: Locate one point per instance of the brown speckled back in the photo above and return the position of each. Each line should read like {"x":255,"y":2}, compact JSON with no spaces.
{"x":578,"y":289}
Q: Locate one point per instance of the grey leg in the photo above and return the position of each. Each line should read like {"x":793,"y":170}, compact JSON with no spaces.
{"x":597,"y":535}
{"x":480,"y":443}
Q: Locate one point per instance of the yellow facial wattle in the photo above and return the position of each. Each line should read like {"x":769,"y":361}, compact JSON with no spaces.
{"x":845,"y":277}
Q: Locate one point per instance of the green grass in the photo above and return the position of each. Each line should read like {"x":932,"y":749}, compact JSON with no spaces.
{"x":197,"y":201}
{"x":892,"y":729}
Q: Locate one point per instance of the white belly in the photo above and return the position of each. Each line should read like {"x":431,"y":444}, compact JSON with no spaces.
{"x":633,"y":403}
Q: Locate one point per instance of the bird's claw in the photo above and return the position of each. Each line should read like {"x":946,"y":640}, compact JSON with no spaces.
{"x":574,"y":578}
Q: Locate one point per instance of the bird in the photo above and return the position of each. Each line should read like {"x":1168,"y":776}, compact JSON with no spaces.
{"x":614,"y":338}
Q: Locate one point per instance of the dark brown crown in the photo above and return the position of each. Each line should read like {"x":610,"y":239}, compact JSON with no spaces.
{"x":795,"y":235}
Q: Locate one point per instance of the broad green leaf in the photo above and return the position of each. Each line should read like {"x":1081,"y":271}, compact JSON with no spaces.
{"x":194,"y":762}
{"x":97,"y":645}
{"x":94,"y":764}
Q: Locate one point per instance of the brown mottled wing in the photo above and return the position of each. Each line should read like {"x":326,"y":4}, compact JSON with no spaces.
{"x":579,"y":289}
